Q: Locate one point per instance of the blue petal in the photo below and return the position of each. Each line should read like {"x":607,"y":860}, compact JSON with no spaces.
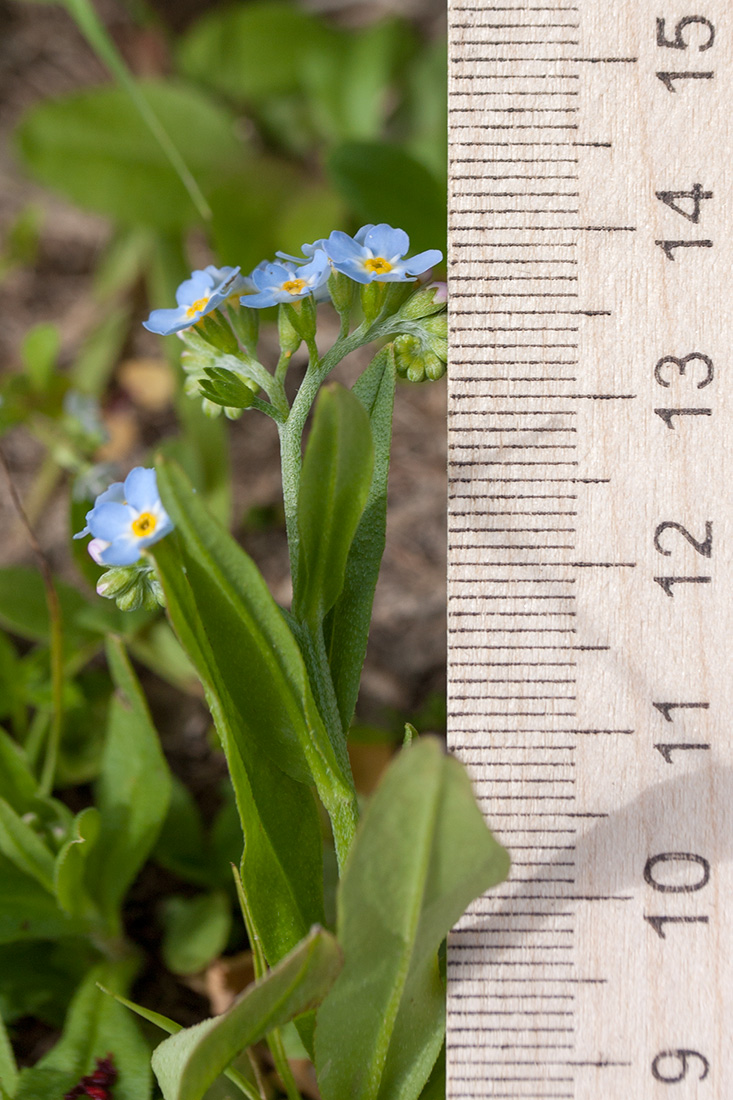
{"x":110,"y":521}
{"x":115,"y":493}
{"x":198,"y":286}
{"x":141,"y":489}
{"x":261,"y":300}
{"x":415,"y":265}
{"x":354,"y":268}
{"x":270,"y":276}
{"x":385,"y":241}
{"x":163,"y":322}
{"x":317,"y":270}
{"x":340,"y":248}
{"x":360,"y":234}
{"x":124,"y":550}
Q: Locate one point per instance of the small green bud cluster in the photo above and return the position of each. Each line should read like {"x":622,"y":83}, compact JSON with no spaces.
{"x":423,"y":356}
{"x":132,"y":587}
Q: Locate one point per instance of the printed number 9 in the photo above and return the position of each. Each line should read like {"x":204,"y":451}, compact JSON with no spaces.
{"x":683,"y":1059}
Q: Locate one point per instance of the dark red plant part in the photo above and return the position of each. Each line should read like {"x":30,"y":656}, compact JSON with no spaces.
{"x":98,"y":1084}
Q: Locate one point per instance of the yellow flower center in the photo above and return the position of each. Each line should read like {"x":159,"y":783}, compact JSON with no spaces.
{"x":295,"y":286}
{"x":196,"y":307}
{"x":144,"y":525}
{"x":378,"y":265}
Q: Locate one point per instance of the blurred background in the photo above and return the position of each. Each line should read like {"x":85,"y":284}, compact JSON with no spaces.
{"x":293,"y":119}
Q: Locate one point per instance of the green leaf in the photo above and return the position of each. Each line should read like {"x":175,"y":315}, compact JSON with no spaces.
{"x":23,"y":608}
{"x":158,"y":649}
{"x":347,"y":628}
{"x":334,"y":484}
{"x":196,"y":930}
{"x":38,"y":977}
{"x":255,"y":51}
{"x":180,"y":846}
{"x":383,"y":183}
{"x":133,"y":790}
{"x":187,"y":1063}
{"x":21,"y":844}
{"x":8,"y":1067}
{"x":282,"y":865}
{"x":421,"y":854}
{"x":71,"y":864}
{"x":352,"y":87}
{"x":95,"y":1026}
{"x":29,"y":911}
{"x":94,"y":147}
{"x":427,"y":107}
{"x":256,"y":655}
{"x":172,"y":1028}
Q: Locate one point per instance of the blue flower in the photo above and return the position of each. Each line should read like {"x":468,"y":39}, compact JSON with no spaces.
{"x":199,"y":295}
{"x":126,"y":519}
{"x":287,"y":282}
{"x":376,"y":254}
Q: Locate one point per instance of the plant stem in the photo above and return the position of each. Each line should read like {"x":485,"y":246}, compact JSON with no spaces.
{"x":56,"y":638}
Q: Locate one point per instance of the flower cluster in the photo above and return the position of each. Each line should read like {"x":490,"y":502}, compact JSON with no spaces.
{"x":376,"y":254}
{"x":98,"y":1083}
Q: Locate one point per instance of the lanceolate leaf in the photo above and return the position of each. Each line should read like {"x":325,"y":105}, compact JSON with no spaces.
{"x":133,"y":790}
{"x":335,"y":480}
{"x":421,"y":854}
{"x":255,"y":652}
{"x":190,"y":1061}
{"x":282,"y":865}
{"x":347,"y":626}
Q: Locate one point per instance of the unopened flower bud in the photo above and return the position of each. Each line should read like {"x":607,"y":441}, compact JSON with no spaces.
{"x":434,"y":366}
{"x":436,"y":332}
{"x":407,"y":349}
{"x":428,"y":299}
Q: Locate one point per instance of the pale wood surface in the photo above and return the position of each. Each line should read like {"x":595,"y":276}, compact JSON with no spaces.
{"x":562,"y":305}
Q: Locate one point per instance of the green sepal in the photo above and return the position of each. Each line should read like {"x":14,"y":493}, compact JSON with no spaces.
{"x":301,"y":314}
{"x":224,"y":387}
{"x":246,"y":324}
{"x":215,"y":330}
{"x":289,"y":336}
{"x":372,"y":297}
{"x":342,"y":289}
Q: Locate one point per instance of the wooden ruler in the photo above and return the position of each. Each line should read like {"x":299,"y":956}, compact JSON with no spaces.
{"x":591,"y":550}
